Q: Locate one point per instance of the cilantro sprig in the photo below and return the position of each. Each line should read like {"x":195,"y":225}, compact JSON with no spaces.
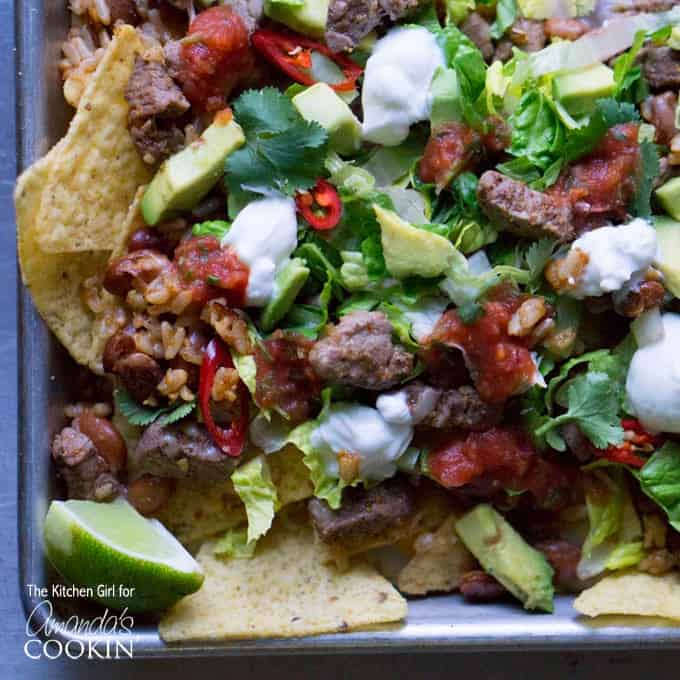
{"x":594,"y":406}
{"x":283,"y":151}
{"x":137,"y":414}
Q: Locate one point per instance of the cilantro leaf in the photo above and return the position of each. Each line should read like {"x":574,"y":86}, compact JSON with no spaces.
{"x":649,"y":172}
{"x":282,"y":151}
{"x":137,"y":414}
{"x":594,"y":406}
{"x":537,"y":257}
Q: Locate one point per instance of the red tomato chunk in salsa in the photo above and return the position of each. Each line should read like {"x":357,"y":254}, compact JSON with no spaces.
{"x":212,"y":271}
{"x":217,"y":59}
{"x":500,"y":365}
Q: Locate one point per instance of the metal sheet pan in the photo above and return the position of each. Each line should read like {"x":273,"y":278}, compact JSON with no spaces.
{"x":435,"y":623}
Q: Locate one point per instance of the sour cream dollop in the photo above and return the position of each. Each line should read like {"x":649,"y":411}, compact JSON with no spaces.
{"x":396,"y":91}
{"x":615,"y":256}
{"x":363,"y":431}
{"x":394,"y":407}
{"x":263,"y":235}
{"x":653,"y":382}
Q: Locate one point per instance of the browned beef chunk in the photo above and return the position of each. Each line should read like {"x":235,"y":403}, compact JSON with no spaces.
{"x":364,"y":512}
{"x":87,"y":474}
{"x":513,"y":206}
{"x":457,"y":408}
{"x":156,"y":103}
{"x":565,"y":28}
{"x":661,"y":67}
{"x":659,"y":110}
{"x":251,"y":11}
{"x":577,"y":443}
{"x":503,"y":50}
{"x":350,"y":20}
{"x":180,"y":451}
{"x":123,"y":10}
{"x":478,"y":30}
{"x":359,"y":352}
{"x":528,"y":35}
{"x":639,"y":6}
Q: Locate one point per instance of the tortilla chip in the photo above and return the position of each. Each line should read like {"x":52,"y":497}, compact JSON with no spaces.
{"x":633,"y":593}
{"x":283,"y":591}
{"x":439,"y":568}
{"x":199,"y":510}
{"x":55,"y":280}
{"x":93,"y":179}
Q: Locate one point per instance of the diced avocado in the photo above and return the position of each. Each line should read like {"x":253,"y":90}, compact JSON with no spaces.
{"x":410,"y":251}
{"x":308,"y":17}
{"x":505,"y":555}
{"x":185,"y":178}
{"x":668,"y":238}
{"x":578,"y":90}
{"x":289,"y":282}
{"x":446,"y":97}
{"x":668,"y":196}
{"x":321,"y":104}
{"x":544,"y":9}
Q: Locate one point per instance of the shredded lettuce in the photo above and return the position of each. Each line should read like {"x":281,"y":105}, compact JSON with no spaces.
{"x":234,"y":544}
{"x":660,"y":480}
{"x":614,"y":540}
{"x":253,"y":485}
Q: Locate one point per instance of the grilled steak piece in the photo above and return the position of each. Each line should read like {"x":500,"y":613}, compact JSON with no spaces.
{"x":478,"y":30}
{"x":359,"y":352}
{"x":180,"y":451}
{"x":528,"y":34}
{"x":156,"y":103}
{"x":460,"y":408}
{"x":513,"y":206}
{"x":364,"y":512}
{"x":350,"y":20}
{"x":661,"y":67}
{"x":88,"y":475}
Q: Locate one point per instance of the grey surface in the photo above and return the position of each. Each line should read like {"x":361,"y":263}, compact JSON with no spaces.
{"x":14,"y":664}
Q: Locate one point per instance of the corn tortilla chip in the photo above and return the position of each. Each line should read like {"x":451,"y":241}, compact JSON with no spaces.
{"x":283,"y":591}
{"x":633,"y":593}
{"x":199,"y":510}
{"x":440,"y":566}
{"x":93,"y":179}
{"x":55,"y":280}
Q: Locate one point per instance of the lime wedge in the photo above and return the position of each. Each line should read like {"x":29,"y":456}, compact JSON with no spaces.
{"x":120,"y":557}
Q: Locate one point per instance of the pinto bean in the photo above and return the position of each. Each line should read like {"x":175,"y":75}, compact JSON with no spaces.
{"x":135,"y":270}
{"x":478,"y":586}
{"x":118,"y":346}
{"x":564,"y":558}
{"x":149,"y":239}
{"x":149,"y":493}
{"x":565,"y":28}
{"x":140,"y":374}
{"x":106,"y":438}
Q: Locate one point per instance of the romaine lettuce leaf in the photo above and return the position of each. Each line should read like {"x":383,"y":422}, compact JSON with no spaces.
{"x":660,"y":480}
{"x":253,"y":485}
{"x":234,"y":544}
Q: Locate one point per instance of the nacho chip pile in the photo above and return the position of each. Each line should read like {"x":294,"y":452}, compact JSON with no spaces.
{"x":73,"y":206}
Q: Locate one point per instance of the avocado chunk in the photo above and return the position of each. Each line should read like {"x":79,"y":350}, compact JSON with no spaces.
{"x":668,"y":238}
{"x":505,"y":555}
{"x":320,"y":103}
{"x":185,"y":178}
{"x":668,"y":196}
{"x":289,"y":282}
{"x":410,"y":251}
{"x":578,"y":90}
{"x":308,"y":17}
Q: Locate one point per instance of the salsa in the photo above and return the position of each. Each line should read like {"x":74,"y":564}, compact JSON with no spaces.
{"x":212,"y":271}
{"x":500,"y":365}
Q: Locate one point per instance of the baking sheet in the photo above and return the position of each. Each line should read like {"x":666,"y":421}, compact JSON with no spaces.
{"x":444,"y":622}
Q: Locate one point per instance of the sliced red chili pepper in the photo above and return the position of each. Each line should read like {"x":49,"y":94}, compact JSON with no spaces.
{"x":292,"y":53}
{"x":637,"y":440}
{"x":321,"y":206}
{"x":229,"y":440}
{"x":623,"y":454}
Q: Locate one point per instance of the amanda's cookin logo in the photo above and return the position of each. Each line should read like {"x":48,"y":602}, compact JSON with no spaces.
{"x":85,"y":638}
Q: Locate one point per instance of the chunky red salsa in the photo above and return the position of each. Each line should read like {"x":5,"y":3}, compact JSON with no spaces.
{"x":212,"y":271}
{"x":500,"y":365}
